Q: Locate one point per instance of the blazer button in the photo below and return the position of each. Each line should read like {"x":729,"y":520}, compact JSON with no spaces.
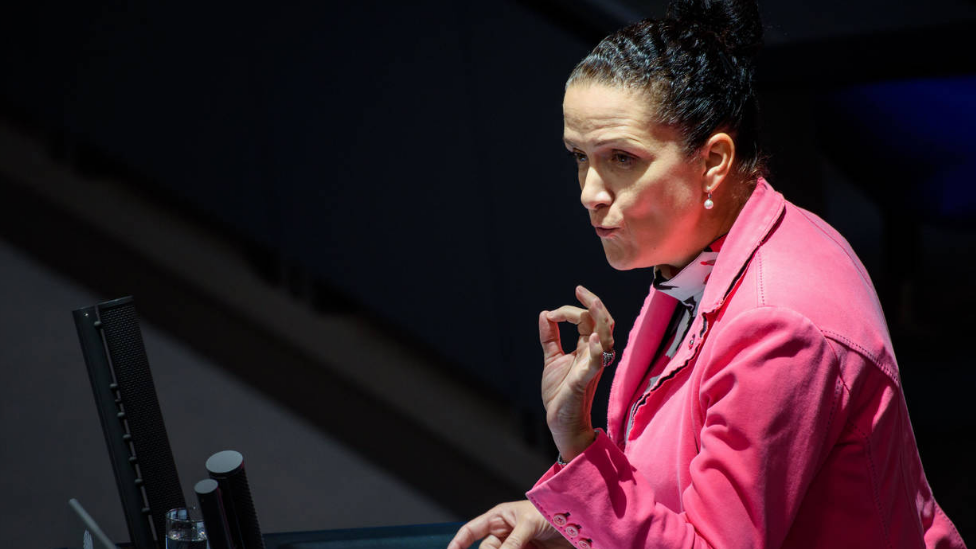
{"x":691,"y":342}
{"x":572,"y":530}
{"x":559,"y":520}
{"x":584,"y":544}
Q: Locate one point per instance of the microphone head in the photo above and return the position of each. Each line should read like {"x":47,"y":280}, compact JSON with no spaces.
{"x":205,"y":487}
{"x":224,"y":463}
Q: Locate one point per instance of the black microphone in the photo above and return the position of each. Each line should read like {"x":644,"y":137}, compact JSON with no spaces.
{"x":227,"y":468}
{"x":214,"y":516}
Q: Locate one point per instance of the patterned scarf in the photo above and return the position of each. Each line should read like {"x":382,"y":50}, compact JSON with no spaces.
{"x":687,"y":287}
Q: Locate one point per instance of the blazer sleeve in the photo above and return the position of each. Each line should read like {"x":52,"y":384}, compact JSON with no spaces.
{"x":768,"y":391}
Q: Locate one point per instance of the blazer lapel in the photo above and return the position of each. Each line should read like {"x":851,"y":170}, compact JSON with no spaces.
{"x":643,"y":341}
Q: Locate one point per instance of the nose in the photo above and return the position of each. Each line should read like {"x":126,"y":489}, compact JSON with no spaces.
{"x":594,"y":193}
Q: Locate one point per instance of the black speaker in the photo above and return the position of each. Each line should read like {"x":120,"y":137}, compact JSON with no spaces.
{"x":132,"y":422}
{"x":227,"y":468}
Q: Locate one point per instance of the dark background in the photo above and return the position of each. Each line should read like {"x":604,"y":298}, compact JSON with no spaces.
{"x":401,"y":162}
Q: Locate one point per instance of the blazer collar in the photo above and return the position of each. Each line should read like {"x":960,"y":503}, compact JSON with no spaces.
{"x":755,"y":222}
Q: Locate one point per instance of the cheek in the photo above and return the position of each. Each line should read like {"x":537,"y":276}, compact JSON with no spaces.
{"x":677,"y":197}
{"x":661,"y":214}
{"x":650,"y":207}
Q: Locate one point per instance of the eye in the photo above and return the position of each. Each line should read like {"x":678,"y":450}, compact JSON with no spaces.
{"x":578,"y":157}
{"x":622,"y":159}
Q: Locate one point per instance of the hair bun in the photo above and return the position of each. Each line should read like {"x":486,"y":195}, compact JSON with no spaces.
{"x":736,"y":22}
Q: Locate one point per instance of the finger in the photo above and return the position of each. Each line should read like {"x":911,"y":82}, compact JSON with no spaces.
{"x":521,"y":535}
{"x":584,"y":296}
{"x":595,"y":363}
{"x":552,"y":346}
{"x":490,"y":542}
{"x":586,"y":325}
{"x":574,"y":315}
{"x":566,"y":313}
{"x":603,"y":322}
{"x":474,"y":530}
{"x":589,"y":362}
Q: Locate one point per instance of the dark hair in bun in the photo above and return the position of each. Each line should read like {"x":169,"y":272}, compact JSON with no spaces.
{"x":698,"y":66}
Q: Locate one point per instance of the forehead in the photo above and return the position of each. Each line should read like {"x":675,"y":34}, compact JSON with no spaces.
{"x":596,"y":112}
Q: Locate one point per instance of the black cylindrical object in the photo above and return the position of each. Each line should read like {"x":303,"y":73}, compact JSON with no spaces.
{"x":214,"y":516}
{"x":227,"y":468}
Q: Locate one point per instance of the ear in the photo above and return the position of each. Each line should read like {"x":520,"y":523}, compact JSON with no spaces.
{"x":718,"y":153}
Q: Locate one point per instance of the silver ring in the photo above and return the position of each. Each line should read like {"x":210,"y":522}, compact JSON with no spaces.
{"x":608,"y":357}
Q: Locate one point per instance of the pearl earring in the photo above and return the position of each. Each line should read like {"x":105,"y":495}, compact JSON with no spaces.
{"x":708,"y":202}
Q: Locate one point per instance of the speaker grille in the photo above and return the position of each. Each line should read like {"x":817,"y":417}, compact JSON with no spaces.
{"x":145,"y":419}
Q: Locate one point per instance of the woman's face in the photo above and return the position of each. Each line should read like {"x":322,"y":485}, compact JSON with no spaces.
{"x":643,"y":194}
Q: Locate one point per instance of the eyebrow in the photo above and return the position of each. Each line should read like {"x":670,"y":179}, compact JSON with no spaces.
{"x":608,"y":142}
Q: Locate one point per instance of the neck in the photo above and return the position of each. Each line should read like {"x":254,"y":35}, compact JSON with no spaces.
{"x":715,"y":223}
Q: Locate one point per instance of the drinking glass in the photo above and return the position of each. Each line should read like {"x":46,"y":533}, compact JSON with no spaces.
{"x":184,"y":529}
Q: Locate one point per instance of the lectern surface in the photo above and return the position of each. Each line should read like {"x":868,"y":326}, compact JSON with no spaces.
{"x":414,"y":536}
{"x":421,"y":536}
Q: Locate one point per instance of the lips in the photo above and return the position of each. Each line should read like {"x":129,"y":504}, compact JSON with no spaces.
{"x":604,"y":232}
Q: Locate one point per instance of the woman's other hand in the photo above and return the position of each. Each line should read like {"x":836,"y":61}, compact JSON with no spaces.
{"x":512,"y":525}
{"x":569,"y":380}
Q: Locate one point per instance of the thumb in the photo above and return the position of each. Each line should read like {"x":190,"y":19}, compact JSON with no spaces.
{"x":521,"y":535}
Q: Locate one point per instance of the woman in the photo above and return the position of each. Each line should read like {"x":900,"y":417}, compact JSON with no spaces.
{"x":757,"y":403}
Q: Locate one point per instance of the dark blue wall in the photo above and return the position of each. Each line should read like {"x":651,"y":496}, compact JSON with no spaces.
{"x":408,"y":154}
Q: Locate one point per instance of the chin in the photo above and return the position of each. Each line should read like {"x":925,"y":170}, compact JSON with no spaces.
{"x":622,"y":264}
{"x":627,"y":263}
{"x":624,"y":258}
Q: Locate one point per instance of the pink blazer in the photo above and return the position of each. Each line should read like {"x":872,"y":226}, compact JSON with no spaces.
{"x":780,"y":422}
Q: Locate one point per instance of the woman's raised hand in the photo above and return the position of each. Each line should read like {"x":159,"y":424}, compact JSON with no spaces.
{"x":569,"y":380}
{"x":512,"y":525}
